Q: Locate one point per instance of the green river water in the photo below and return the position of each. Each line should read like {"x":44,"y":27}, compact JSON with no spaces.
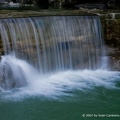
{"x":96,"y":104}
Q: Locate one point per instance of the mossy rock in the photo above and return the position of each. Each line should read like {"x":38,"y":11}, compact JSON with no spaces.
{"x":117,"y":16}
{"x":112,"y":29}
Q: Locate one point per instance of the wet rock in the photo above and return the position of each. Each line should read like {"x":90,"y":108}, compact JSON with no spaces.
{"x":11,"y":78}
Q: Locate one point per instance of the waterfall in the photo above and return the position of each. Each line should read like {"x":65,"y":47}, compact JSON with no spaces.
{"x":52,"y":43}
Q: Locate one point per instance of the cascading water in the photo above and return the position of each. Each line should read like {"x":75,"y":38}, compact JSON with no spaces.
{"x":54,"y":43}
{"x":45,"y":45}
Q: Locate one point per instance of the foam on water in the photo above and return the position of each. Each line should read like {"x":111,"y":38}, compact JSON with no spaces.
{"x":56,"y":84}
{"x":53,"y":56}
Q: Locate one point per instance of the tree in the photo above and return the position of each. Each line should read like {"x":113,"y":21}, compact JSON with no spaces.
{"x":42,"y":4}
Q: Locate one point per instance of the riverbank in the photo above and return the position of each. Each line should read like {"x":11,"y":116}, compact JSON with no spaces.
{"x":53,"y":12}
{"x":29,"y":13}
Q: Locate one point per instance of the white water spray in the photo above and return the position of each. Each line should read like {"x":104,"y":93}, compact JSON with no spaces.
{"x":22,"y":80}
{"x":53,"y":55}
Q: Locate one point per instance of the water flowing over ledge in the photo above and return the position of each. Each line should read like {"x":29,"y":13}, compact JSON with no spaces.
{"x":55,"y":43}
{"x":53,"y":55}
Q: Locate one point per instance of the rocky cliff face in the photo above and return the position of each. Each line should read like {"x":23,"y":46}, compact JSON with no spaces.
{"x":111,"y":28}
